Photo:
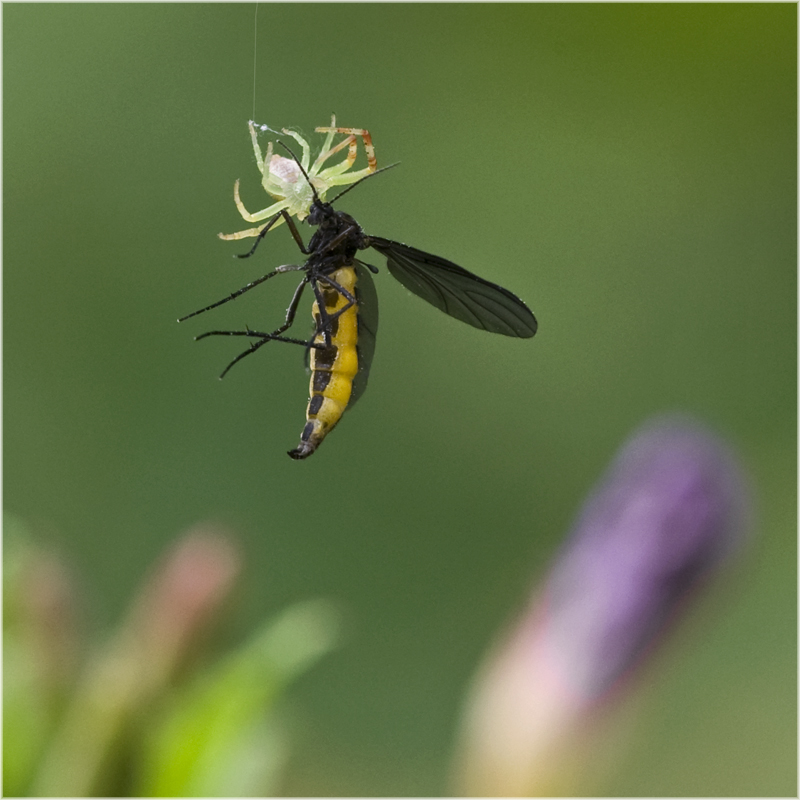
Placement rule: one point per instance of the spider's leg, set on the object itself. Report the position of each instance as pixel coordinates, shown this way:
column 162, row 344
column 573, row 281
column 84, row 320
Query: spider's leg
column 282, row 214
column 325, row 154
column 247, row 216
column 234, row 295
column 346, row 177
column 306, row 158
column 256, row 148
column 366, row 138
column 246, row 234
column 266, row 175
column 325, row 146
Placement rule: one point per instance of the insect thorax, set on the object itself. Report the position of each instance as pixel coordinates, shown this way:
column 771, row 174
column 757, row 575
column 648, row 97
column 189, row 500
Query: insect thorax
column 337, row 239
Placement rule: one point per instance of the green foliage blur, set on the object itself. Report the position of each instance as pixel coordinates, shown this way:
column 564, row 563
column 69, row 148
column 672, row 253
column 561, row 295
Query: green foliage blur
column 628, row 170
column 142, row 713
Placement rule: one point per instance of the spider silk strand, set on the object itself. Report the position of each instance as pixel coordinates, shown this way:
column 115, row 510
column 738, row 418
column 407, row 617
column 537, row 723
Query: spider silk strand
column 255, row 48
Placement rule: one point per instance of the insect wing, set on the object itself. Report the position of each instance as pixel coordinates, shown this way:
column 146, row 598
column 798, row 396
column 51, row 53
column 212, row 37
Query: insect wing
column 457, row 292
column 367, row 299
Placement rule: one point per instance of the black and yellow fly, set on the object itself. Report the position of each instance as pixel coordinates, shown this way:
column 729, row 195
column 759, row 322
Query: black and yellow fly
column 345, row 308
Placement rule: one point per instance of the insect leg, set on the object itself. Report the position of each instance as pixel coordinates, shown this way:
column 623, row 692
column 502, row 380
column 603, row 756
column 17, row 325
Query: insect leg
column 234, row 295
column 263, row 339
column 324, row 326
column 326, row 317
column 249, row 351
column 296, row 234
column 351, row 301
column 266, row 337
column 292, row 227
column 337, row 240
column 261, row 235
column 292, row 310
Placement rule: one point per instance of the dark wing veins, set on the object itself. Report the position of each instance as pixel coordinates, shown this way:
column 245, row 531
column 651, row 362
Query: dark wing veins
column 456, row 291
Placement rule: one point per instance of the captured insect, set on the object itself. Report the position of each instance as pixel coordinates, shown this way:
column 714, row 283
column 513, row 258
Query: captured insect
column 345, row 307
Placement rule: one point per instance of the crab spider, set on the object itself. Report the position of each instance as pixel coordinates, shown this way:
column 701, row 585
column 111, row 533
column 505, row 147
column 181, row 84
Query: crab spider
column 283, row 179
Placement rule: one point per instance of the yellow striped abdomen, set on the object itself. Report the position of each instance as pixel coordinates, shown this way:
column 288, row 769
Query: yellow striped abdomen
column 332, row 368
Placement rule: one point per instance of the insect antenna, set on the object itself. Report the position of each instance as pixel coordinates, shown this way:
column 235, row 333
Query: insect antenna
column 308, row 180
column 305, row 174
column 361, row 180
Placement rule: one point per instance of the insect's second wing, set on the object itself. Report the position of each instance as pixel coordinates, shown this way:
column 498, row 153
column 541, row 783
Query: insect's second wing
column 367, row 329
column 457, row 292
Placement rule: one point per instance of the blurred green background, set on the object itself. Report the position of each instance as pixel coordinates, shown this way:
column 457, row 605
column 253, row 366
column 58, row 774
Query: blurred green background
column 629, row 170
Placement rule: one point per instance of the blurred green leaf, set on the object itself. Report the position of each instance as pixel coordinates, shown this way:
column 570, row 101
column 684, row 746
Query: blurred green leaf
column 218, row 736
column 27, row 717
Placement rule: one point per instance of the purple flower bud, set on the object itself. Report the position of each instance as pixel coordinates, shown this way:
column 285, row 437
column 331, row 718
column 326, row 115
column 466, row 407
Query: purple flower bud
column 672, row 508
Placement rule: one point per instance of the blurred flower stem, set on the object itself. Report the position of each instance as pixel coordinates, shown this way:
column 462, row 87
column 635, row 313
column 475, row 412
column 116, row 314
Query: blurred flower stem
column 40, row 651
column 137, row 716
column 548, row 707
column 138, row 664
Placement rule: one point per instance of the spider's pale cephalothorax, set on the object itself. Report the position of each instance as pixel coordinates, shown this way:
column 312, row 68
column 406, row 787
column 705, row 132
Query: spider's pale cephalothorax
column 283, row 179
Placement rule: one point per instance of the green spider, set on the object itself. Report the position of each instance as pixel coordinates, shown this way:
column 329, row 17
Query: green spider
column 283, row 179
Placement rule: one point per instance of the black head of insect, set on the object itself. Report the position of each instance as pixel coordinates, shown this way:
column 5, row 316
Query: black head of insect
column 321, row 214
